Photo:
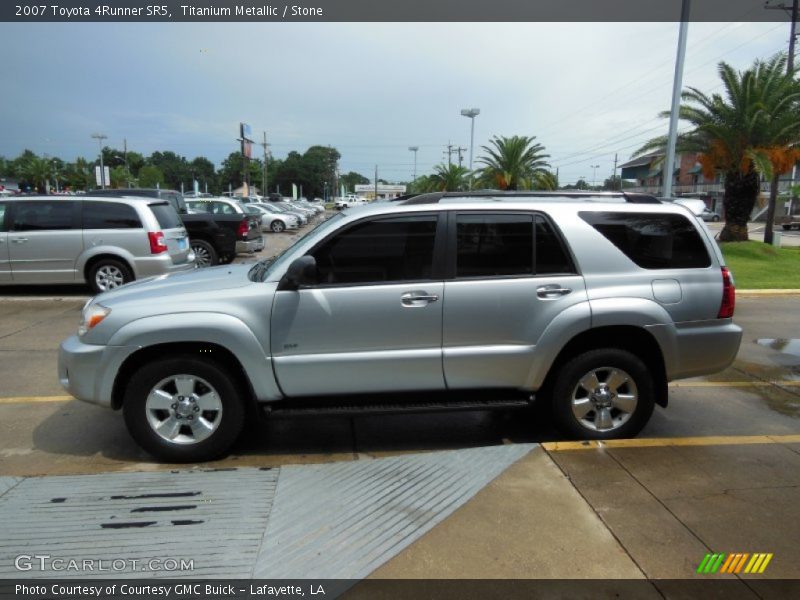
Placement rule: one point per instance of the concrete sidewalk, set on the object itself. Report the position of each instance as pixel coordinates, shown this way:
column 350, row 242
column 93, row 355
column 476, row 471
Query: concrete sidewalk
column 630, row 509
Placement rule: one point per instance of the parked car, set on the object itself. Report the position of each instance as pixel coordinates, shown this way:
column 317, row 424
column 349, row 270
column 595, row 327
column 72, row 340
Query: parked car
column 588, row 303
column 231, row 214
column 105, row 242
column 708, row 215
column 282, row 208
column 273, row 221
column 213, row 241
column 348, row 201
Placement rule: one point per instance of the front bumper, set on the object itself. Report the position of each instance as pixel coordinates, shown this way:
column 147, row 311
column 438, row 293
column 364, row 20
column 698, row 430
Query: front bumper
column 87, row 371
column 250, row 246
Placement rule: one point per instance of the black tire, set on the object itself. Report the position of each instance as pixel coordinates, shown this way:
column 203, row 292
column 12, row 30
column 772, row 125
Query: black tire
column 107, row 274
column 277, row 226
column 786, row 227
column 205, row 253
column 602, row 362
column 228, row 422
column 715, row 219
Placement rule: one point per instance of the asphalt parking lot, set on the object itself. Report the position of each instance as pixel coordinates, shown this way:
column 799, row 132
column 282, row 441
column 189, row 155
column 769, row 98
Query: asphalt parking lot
column 727, row 450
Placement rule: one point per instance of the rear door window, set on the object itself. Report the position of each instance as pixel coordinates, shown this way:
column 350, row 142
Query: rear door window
column 109, row 215
column 652, row 241
column 166, row 216
column 508, row 245
column 45, row 215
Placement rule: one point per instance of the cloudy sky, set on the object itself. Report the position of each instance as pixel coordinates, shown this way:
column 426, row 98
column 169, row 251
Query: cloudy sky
column 586, row 90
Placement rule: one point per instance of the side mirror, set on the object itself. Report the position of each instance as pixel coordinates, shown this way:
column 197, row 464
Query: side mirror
column 302, row 272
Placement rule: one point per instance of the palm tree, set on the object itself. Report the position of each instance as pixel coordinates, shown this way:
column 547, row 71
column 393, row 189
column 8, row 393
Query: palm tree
column 753, row 129
column 450, row 178
column 544, row 180
column 37, row 171
column 511, row 163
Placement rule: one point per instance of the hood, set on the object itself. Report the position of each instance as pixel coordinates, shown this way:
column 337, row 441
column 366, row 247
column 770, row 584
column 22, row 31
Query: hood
column 197, row 281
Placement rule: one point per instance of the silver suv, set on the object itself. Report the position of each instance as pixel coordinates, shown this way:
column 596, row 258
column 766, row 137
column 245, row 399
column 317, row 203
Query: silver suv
column 585, row 304
column 104, row 242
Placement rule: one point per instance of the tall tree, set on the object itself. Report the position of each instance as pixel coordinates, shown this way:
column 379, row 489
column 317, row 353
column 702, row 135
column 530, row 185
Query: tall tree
column 351, row 179
column 750, row 131
column 510, row 163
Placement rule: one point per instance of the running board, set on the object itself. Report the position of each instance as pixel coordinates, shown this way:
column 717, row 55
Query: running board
column 374, row 406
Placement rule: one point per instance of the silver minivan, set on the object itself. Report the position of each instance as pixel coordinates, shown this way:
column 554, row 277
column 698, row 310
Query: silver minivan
column 105, row 242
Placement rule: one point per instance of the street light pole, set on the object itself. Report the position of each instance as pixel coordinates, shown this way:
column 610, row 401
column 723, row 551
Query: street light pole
column 414, row 149
column 471, row 113
column 594, row 174
column 669, row 162
column 100, row 137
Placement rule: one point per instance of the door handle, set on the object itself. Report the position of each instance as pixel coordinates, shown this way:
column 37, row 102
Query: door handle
column 552, row 291
column 19, row 240
column 418, row 298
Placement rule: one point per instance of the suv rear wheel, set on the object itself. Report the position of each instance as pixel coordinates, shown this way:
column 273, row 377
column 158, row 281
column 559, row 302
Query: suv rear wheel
column 108, row 274
column 183, row 409
column 603, row 394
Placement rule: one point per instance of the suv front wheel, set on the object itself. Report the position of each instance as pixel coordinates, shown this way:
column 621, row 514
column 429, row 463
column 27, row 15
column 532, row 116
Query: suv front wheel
column 603, row 394
column 183, row 409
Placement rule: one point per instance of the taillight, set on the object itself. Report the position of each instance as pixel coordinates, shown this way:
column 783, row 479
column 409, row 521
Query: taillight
column 158, row 242
column 244, row 227
column 728, row 295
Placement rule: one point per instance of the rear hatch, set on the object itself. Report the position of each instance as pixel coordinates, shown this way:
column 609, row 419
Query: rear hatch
column 175, row 235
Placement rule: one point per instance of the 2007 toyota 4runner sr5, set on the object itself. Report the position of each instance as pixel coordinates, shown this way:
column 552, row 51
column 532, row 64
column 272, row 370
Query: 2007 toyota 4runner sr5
column 586, row 304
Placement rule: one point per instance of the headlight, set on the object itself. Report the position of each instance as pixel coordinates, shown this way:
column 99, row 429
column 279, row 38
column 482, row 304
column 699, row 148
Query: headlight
column 92, row 316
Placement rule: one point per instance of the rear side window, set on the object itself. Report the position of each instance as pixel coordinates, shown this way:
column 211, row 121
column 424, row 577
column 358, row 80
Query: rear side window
column 109, row 215
column 166, row 216
column 503, row 245
column 494, row 245
column 44, row 215
column 380, row 251
column 652, row 241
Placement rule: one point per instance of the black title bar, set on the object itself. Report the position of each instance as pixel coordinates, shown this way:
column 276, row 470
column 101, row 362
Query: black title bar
column 386, row 11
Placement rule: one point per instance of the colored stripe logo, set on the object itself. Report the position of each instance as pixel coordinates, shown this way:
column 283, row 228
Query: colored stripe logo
column 734, row 563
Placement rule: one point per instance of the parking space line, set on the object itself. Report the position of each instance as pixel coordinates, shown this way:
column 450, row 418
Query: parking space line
column 35, row 399
column 711, row 440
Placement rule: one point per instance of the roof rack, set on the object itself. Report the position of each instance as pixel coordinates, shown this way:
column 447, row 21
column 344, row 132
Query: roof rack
column 500, row 195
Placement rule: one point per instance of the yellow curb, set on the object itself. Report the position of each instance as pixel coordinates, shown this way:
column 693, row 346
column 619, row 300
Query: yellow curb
column 35, row 399
column 771, row 292
column 714, row 440
column 732, row 384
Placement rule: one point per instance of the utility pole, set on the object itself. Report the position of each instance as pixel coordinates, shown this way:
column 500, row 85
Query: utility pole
column 460, row 151
column 450, row 151
column 669, row 163
column 376, row 182
column 614, row 176
column 793, row 14
column 264, row 145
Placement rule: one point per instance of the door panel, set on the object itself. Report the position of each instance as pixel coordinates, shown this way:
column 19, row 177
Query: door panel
column 374, row 321
column 358, row 339
column 44, row 241
column 491, row 327
column 513, row 276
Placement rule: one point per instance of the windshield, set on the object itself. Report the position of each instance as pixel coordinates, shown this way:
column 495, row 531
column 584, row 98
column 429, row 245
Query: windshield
column 263, row 269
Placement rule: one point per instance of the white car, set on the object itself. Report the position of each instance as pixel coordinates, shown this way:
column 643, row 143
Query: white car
column 273, row 221
column 281, row 209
